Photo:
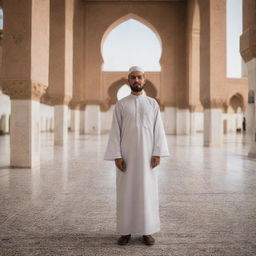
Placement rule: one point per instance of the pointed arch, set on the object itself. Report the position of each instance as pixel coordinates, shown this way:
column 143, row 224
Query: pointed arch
column 150, row 90
column 123, row 19
column 236, row 101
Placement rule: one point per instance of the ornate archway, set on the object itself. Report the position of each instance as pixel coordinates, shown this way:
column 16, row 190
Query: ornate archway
column 149, row 88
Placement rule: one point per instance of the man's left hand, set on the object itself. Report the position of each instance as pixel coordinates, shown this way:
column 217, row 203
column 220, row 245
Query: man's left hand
column 155, row 161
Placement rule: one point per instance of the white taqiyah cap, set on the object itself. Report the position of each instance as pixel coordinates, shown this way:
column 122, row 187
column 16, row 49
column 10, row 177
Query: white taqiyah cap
column 135, row 68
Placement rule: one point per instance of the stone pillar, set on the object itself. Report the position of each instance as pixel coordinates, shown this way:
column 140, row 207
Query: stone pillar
column 170, row 120
column 213, row 86
column 92, row 119
column 75, row 120
column 192, row 122
column 213, row 128
column 239, row 119
column 61, row 65
column 231, row 120
column 182, row 122
column 196, row 118
column 193, row 63
column 76, row 103
column 25, row 146
column 248, row 52
column 251, row 120
column 25, row 75
column 60, row 125
column 82, row 121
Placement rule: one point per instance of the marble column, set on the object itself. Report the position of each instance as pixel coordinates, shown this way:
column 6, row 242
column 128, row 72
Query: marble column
column 60, row 125
column 61, row 65
column 192, row 122
column 77, row 102
column 251, row 114
column 213, row 86
column 75, row 120
column 182, row 122
column 170, row 120
column 82, row 121
column 24, row 75
column 231, row 120
column 25, row 133
column 248, row 52
column 213, row 127
column 92, row 119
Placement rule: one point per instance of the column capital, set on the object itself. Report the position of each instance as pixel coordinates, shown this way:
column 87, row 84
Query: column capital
column 248, row 44
column 23, row 89
column 196, row 108
column 92, row 102
column 213, row 103
column 75, row 104
column 54, row 99
column 60, row 99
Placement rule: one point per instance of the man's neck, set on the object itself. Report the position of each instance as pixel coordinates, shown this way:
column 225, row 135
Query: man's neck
column 137, row 93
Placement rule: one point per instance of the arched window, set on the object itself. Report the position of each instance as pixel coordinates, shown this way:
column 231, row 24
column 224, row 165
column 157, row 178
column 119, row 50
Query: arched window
column 131, row 43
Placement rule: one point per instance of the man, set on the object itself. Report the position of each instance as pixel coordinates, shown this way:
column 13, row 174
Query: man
column 136, row 143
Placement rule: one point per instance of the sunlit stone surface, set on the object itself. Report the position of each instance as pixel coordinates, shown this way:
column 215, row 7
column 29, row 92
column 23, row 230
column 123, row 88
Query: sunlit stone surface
column 67, row 207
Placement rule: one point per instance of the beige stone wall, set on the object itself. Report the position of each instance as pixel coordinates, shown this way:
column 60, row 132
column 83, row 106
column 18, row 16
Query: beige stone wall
column 166, row 18
column 80, row 28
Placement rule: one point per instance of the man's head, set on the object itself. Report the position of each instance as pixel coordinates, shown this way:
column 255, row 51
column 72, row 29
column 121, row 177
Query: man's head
column 136, row 78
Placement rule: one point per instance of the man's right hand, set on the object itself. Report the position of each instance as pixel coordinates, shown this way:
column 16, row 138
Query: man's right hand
column 120, row 164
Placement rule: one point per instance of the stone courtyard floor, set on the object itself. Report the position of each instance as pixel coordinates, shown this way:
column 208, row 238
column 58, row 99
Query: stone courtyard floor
column 67, row 206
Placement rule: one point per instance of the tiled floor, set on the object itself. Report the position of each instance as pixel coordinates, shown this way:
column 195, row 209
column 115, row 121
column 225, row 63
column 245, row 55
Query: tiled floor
column 67, row 207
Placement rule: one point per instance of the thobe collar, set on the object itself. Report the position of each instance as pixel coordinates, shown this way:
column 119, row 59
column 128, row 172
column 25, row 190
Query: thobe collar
column 138, row 96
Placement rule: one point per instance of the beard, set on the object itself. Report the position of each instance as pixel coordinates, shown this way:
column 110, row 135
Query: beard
column 136, row 88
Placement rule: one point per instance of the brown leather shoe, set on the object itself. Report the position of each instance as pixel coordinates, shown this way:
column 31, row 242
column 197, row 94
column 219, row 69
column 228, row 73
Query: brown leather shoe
column 123, row 240
column 148, row 240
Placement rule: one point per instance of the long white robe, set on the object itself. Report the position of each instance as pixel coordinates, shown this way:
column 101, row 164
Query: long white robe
column 136, row 135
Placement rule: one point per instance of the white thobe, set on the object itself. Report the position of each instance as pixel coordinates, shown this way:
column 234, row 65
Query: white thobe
column 136, row 135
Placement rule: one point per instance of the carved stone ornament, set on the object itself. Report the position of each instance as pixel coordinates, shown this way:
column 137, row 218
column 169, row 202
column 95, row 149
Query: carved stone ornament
column 213, row 103
column 196, row 108
column 74, row 104
column 60, row 99
column 23, row 89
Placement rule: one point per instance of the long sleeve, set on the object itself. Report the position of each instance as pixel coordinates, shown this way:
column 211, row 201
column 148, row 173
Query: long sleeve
column 113, row 149
column 160, row 144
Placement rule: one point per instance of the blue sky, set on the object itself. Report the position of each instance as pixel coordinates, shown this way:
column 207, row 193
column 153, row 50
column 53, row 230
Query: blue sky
column 133, row 40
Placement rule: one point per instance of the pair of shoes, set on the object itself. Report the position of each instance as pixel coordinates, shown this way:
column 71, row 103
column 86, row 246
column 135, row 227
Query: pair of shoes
column 148, row 240
column 123, row 240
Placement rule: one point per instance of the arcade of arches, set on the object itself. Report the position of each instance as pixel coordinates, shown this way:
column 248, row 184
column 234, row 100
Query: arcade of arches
column 52, row 78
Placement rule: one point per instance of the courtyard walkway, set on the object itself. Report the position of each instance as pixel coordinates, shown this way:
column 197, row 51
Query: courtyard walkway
column 67, row 206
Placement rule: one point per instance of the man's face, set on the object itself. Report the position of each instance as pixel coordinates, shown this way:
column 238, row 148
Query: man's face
column 136, row 81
